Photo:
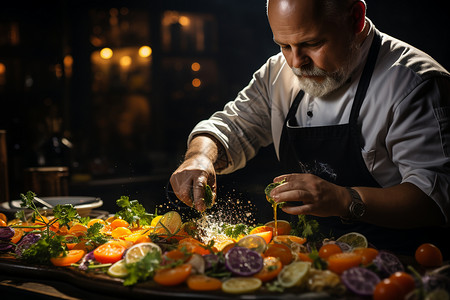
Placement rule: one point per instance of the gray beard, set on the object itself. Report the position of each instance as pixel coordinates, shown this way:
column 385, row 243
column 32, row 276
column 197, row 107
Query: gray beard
column 332, row 81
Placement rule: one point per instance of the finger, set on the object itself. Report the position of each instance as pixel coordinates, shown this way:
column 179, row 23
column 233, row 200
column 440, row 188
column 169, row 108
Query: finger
column 305, row 209
column 283, row 194
column 198, row 190
column 281, row 178
column 181, row 189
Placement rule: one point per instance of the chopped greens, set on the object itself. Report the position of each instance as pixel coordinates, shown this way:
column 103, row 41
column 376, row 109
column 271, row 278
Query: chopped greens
column 235, row 230
column 133, row 212
column 142, row 269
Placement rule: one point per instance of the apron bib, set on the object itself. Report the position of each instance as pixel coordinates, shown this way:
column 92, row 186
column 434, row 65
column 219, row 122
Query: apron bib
column 334, row 154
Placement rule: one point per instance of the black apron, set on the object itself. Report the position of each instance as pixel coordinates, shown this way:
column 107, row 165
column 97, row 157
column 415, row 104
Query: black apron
column 334, row 154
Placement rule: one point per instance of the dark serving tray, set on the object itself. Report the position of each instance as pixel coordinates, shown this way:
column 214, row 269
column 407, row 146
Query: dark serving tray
column 104, row 285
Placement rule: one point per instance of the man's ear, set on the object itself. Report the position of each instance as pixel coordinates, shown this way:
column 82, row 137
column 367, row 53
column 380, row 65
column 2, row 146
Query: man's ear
column 358, row 15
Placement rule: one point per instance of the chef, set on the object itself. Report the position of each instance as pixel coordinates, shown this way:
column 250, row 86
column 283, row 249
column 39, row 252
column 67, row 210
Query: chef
column 360, row 122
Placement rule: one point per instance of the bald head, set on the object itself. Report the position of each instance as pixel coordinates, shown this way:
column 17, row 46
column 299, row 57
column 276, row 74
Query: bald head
column 321, row 8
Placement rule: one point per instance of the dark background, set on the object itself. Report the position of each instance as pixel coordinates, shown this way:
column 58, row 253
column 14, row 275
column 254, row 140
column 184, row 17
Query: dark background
column 238, row 42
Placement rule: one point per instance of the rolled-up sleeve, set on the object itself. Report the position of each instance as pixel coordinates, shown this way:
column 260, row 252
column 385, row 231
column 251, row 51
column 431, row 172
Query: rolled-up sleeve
column 244, row 125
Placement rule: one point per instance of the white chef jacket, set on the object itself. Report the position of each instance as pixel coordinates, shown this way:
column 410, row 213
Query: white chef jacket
column 404, row 119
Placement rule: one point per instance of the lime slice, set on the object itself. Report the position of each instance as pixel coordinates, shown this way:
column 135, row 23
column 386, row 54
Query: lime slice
column 354, row 240
column 241, row 285
column 138, row 251
column 170, row 221
column 269, row 189
column 118, row 269
column 253, row 242
column 294, row 274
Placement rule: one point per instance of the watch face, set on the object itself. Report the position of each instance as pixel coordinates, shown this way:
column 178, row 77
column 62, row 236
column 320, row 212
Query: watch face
column 357, row 209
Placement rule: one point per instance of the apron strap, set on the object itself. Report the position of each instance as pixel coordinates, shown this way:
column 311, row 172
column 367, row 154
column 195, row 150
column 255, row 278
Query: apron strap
column 293, row 109
column 366, row 75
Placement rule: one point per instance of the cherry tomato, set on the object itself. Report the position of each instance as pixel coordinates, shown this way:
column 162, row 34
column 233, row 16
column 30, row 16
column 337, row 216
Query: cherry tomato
column 272, row 266
column 428, row 255
column 193, row 246
column 304, row 257
column 367, row 254
column 203, row 283
column 173, row 276
column 119, row 223
column 109, row 252
column 329, row 249
column 281, row 251
column 72, row 257
column 18, row 234
column 340, row 262
column 175, row 255
column 387, row 289
column 405, row 281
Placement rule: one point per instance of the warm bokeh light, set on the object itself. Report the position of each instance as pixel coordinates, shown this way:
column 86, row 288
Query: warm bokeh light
column 196, row 82
column 184, row 21
column 68, row 61
column 106, row 53
column 195, row 67
column 2, row 68
column 125, row 61
column 145, row 51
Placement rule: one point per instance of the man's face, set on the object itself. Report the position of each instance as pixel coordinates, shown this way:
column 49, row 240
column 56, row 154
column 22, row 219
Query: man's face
column 320, row 50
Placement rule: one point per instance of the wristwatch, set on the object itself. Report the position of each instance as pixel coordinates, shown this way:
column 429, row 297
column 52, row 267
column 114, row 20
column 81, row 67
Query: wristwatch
column 356, row 209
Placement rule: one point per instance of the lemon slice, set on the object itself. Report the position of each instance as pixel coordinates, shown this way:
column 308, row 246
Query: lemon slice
column 294, row 274
column 241, row 285
column 171, row 221
column 354, row 240
column 138, row 251
column 118, row 269
column 253, row 242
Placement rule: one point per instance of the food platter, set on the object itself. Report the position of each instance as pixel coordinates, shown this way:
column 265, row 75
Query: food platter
column 138, row 254
column 105, row 285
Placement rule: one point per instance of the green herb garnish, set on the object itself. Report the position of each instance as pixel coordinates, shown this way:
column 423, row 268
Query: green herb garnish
column 133, row 212
column 142, row 269
column 50, row 244
column 209, row 197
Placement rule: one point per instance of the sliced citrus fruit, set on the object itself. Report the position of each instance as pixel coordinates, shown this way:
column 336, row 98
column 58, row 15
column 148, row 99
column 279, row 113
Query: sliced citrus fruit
column 294, row 274
column 138, row 251
column 354, row 240
column 120, row 232
column 241, row 285
column 155, row 221
column 253, row 242
column 170, row 221
column 283, row 227
column 293, row 242
column 118, row 269
column 266, row 232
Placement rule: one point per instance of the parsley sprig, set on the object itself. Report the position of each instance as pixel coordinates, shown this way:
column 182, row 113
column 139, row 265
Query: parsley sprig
column 133, row 212
column 50, row 244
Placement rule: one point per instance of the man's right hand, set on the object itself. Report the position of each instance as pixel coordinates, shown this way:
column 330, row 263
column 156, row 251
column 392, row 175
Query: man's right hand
column 190, row 179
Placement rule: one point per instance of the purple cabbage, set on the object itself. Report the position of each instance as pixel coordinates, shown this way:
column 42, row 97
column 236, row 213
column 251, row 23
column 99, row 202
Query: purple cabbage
column 6, row 233
column 26, row 243
column 84, row 264
column 6, row 246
